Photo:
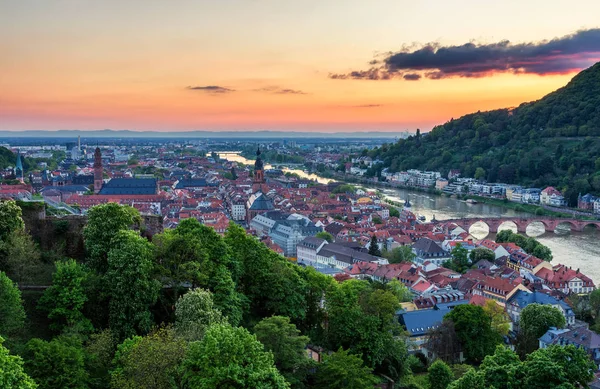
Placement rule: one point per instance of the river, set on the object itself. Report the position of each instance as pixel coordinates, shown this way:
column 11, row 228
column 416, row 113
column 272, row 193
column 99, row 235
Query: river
column 580, row 250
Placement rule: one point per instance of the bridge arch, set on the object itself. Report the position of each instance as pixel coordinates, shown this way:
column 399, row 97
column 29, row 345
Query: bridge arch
column 591, row 223
column 562, row 223
column 479, row 228
column 537, row 228
column 508, row 225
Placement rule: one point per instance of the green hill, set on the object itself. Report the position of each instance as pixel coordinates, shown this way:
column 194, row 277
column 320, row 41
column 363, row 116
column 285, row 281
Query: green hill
column 553, row 141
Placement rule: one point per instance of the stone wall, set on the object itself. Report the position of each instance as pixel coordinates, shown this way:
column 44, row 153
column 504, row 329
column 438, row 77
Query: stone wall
column 64, row 234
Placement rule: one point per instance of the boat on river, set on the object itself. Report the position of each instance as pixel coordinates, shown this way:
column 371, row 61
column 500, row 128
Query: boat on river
column 471, row 201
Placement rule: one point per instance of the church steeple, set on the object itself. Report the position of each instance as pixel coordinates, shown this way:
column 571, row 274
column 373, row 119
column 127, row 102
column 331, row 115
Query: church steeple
column 19, row 167
column 259, row 173
column 97, row 170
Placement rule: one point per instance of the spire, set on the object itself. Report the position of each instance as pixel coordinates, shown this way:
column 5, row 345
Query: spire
column 19, row 167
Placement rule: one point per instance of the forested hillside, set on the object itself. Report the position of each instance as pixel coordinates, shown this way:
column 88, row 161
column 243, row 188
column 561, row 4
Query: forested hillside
column 553, row 141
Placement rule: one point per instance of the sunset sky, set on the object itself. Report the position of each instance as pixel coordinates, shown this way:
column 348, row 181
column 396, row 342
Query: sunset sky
column 310, row 65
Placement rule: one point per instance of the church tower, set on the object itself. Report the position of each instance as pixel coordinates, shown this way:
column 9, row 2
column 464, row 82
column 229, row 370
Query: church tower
column 259, row 174
column 19, row 167
column 97, row 170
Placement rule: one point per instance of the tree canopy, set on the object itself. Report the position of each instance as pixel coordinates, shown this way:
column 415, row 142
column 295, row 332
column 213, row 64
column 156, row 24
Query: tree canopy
column 229, row 357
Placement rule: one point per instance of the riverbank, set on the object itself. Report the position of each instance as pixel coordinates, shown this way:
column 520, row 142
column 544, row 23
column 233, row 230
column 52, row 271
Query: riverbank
column 528, row 208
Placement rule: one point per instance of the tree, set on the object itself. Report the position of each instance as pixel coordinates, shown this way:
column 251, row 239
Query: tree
column 400, row 254
column 195, row 254
column 105, row 221
column 460, row 260
column 534, row 321
column 502, row 370
column 10, row 219
column 20, row 257
column 281, row 337
column 374, row 247
column 229, row 357
column 443, row 341
column 195, row 312
column 470, row 380
column 58, row 364
column 130, row 285
column 271, row 284
column 394, row 212
column 376, row 220
column 12, row 313
column 150, row 362
column 479, row 173
column 480, row 253
column 440, row 375
column 325, row 235
column 342, row 370
column 12, row 375
column 100, row 350
column 361, row 318
column 575, row 363
column 500, row 320
column 474, row 331
column 65, row 298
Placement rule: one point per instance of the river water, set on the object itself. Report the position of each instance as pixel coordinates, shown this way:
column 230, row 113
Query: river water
column 580, row 250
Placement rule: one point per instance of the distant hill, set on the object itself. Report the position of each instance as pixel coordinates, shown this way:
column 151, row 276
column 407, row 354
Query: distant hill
column 553, row 141
column 238, row 135
column 7, row 158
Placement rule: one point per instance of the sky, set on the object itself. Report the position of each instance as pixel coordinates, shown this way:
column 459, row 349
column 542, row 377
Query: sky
column 310, row 65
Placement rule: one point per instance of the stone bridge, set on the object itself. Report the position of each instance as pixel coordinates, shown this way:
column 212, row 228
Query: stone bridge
column 522, row 223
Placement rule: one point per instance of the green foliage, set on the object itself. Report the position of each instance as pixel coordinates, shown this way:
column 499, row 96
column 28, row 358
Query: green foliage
column 344, row 188
column 195, row 254
column 470, row 380
column 282, row 338
column 534, row 144
column 534, row 321
column 150, row 362
column 12, row 375
column 400, row 254
column 500, row 319
column 530, row 245
column 20, row 257
column 361, row 319
column 271, row 284
column 460, row 260
column 559, row 367
column 343, row 370
column 12, row 314
column 104, row 223
column 440, row 375
column 65, row 298
column 100, row 350
column 58, row 364
column 374, row 247
column 325, row 235
column 394, row 212
column 474, row 331
column 10, row 218
column 229, row 357
column 480, row 253
column 194, row 313
column 377, row 220
column 130, row 285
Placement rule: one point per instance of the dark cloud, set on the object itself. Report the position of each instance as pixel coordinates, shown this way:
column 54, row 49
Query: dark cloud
column 280, row 91
column 434, row 61
column 211, row 89
column 412, row 76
